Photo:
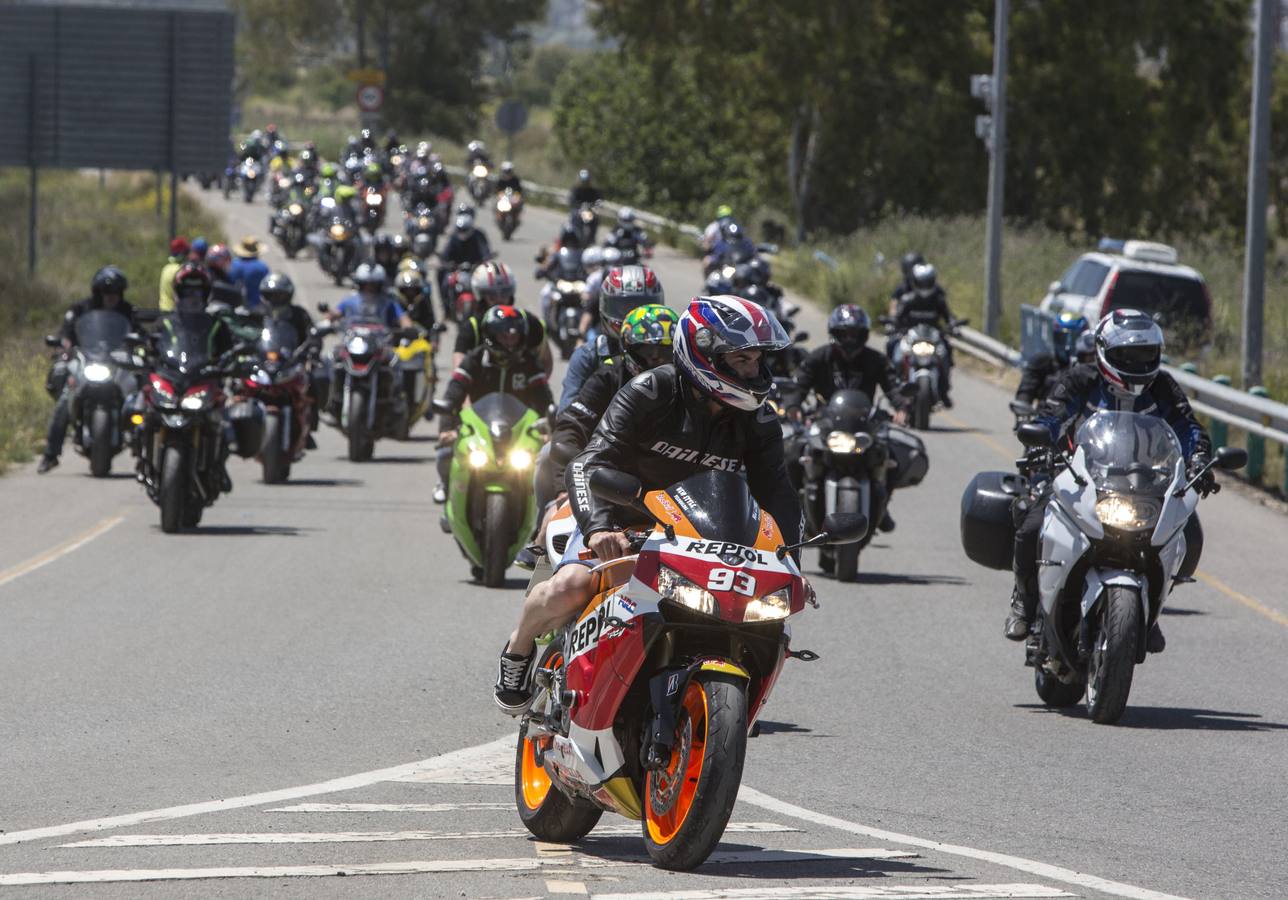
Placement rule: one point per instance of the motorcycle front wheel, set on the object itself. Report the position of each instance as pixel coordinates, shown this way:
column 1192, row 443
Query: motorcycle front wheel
column 1113, row 660
column 100, row 436
column 496, row 539
column 687, row 802
column 847, row 555
column 174, row 486
column 361, row 444
column 273, row 459
column 921, row 405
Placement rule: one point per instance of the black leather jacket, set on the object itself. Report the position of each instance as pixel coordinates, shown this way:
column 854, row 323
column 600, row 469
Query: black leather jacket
column 825, row 371
column 915, row 309
column 577, row 421
column 480, row 374
column 656, row 429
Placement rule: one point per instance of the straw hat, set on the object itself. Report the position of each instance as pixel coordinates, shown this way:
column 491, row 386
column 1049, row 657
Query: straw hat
column 248, row 248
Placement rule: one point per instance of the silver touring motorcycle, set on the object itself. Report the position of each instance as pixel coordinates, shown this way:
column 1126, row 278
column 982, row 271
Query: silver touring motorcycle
column 1119, row 533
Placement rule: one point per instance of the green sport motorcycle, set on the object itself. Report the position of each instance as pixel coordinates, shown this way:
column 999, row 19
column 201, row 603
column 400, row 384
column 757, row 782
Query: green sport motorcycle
column 491, row 507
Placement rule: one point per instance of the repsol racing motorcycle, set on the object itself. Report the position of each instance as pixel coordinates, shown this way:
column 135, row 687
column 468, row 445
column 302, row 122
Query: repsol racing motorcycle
column 182, row 446
column 852, row 459
column 99, row 379
column 1119, row 532
column 644, row 703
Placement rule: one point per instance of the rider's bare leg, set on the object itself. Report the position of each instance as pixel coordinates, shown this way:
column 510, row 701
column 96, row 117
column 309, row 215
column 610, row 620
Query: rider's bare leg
column 550, row 605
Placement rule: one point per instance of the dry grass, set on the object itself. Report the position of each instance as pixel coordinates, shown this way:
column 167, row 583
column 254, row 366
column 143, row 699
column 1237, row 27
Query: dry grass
column 82, row 227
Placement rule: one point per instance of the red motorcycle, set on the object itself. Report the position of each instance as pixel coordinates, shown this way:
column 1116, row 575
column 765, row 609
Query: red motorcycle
column 643, row 704
column 459, row 293
column 280, row 383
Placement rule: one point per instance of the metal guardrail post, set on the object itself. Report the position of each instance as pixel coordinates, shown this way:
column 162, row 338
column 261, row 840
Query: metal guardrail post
column 1256, row 445
column 1219, row 430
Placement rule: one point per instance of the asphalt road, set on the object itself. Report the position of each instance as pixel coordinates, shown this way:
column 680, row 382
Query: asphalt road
column 327, row 629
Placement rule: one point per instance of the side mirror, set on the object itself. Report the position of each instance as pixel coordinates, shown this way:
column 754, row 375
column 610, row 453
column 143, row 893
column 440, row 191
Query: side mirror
column 800, row 337
column 51, row 340
column 616, row 487
column 1055, row 287
column 439, row 328
column 845, row 528
column 1228, row 459
column 1033, row 435
column 442, row 407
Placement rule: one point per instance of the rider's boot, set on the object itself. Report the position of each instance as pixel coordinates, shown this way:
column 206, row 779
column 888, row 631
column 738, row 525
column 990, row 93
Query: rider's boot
column 1017, row 623
column 1156, row 642
column 512, row 692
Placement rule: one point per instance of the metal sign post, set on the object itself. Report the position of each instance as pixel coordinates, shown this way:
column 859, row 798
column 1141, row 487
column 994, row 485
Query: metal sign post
column 33, row 179
column 1254, row 270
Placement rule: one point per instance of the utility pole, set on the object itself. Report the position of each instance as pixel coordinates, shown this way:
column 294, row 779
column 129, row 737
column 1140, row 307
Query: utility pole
column 360, row 15
column 993, row 131
column 1254, row 266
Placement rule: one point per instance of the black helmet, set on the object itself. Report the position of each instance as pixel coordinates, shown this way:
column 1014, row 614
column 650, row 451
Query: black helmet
column 277, row 289
column 849, row 326
column 499, row 324
column 760, row 270
column 108, row 280
column 924, row 279
column 910, row 259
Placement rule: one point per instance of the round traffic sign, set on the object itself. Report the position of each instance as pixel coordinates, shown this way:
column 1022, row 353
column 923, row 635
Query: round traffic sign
column 511, row 116
column 370, row 97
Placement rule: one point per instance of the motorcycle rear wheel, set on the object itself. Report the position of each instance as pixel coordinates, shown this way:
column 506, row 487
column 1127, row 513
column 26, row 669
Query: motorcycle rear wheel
column 173, row 495
column 100, row 436
column 544, row 809
column 1054, row 692
column 1113, row 660
column 687, row 804
column 496, row 540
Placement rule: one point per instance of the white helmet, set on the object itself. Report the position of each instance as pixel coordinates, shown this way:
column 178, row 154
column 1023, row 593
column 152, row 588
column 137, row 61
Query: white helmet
column 494, row 281
column 626, row 215
column 924, row 279
column 592, row 257
column 1129, row 350
column 367, row 273
column 714, row 326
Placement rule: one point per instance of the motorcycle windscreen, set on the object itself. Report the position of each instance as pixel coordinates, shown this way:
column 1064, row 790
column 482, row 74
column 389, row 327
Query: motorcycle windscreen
column 100, row 331
column 848, row 410
column 499, row 409
column 184, row 341
column 1129, row 453
column 719, row 506
column 370, row 312
column 277, row 336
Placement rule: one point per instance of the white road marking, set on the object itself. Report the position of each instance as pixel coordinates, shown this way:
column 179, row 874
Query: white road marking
column 1033, row 867
column 566, row 887
column 55, row 553
column 855, row 892
column 447, row 761
column 563, row 862
column 489, row 764
column 420, row 867
column 391, row 807
column 361, row 837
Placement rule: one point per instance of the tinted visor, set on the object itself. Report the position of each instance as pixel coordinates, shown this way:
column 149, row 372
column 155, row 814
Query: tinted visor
column 1142, row 359
column 651, row 355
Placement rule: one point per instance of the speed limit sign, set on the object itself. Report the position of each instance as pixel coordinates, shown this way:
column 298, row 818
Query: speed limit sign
column 370, row 97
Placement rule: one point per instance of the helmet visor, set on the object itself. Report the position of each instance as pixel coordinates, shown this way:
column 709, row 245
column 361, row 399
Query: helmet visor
column 1138, row 360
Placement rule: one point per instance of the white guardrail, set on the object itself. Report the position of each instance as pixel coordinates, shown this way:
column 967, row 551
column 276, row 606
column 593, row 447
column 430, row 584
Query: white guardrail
column 1256, row 415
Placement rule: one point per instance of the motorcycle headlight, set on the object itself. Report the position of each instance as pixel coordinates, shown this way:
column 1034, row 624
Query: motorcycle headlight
column 358, row 346
column 842, row 442
column 375, row 199
column 564, row 286
column 339, row 232
column 423, row 222
column 520, row 458
column 1126, row 513
column 587, row 215
column 923, row 348
column 97, row 373
column 777, row 605
column 195, row 400
column 480, row 172
column 671, row 584
column 478, row 458
column 296, row 209
column 503, row 205
column 578, row 287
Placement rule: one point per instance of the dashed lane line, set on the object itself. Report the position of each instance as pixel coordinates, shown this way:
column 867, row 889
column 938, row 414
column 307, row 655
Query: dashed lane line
column 13, row 573
column 567, row 863
column 371, row 837
column 392, row 807
column 1032, row 867
column 856, row 892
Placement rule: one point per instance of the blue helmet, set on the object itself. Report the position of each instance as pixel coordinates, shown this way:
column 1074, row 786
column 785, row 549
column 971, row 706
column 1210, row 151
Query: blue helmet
column 1068, row 326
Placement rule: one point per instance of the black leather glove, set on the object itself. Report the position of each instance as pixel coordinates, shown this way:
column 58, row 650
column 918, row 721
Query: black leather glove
column 1207, row 483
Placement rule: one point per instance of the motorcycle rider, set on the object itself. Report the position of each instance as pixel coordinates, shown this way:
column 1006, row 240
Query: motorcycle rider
column 476, row 154
column 248, row 269
column 106, row 291
column 623, row 289
column 925, row 304
column 179, row 248
column 223, row 290
column 1041, row 371
column 704, row 411
column 417, row 299
column 711, row 234
column 504, row 362
column 1127, row 377
column 907, row 262
column 493, row 285
column 583, row 191
column 372, row 300
column 628, row 233
column 278, row 293
column 847, row 362
column 733, row 246
column 466, row 244
column 509, row 179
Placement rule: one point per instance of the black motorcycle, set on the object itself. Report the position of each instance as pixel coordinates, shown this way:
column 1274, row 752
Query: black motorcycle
column 338, row 247
column 182, row 447
column 562, row 301
column 369, row 398
column 290, row 225
column 423, row 225
column 99, row 381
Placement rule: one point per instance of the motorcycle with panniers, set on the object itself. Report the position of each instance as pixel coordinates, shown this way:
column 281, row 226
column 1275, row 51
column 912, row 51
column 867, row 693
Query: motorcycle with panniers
column 643, row 705
column 1120, row 531
column 490, row 507
column 181, row 442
